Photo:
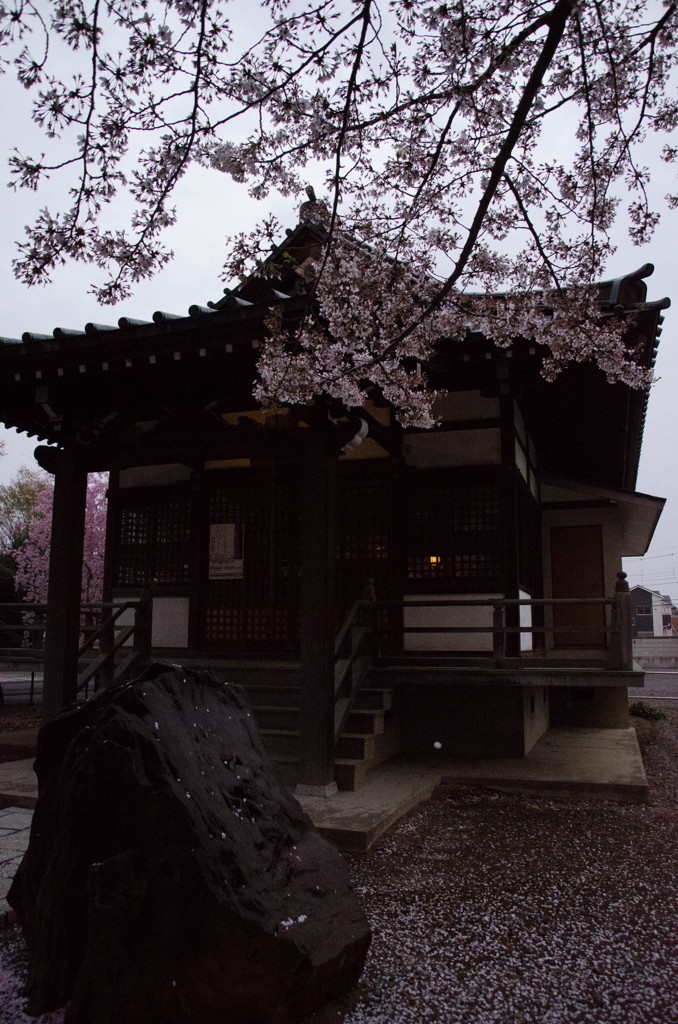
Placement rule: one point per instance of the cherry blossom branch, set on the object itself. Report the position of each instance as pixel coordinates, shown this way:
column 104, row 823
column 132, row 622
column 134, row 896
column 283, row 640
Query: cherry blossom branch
column 558, row 21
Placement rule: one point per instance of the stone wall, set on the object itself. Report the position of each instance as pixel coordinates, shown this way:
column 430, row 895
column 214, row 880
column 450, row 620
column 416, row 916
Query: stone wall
column 656, row 652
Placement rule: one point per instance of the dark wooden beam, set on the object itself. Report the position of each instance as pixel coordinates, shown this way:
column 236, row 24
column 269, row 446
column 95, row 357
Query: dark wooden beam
column 64, row 586
column 509, row 515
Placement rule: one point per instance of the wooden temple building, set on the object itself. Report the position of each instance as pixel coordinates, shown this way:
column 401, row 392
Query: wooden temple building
column 483, row 555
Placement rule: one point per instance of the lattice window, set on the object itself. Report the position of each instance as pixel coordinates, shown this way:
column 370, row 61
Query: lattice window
column 246, row 625
column 475, row 508
column 364, row 534
column 454, row 530
column 153, row 542
column 477, row 565
column 261, row 608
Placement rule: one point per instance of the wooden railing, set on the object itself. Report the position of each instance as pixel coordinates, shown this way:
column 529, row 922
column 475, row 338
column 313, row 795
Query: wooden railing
column 360, row 638
column 354, row 650
column 109, row 647
column 110, row 638
column 614, row 627
column 617, row 641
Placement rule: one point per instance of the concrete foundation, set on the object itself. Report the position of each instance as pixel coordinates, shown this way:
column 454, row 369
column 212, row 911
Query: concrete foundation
column 472, row 721
column 593, row 707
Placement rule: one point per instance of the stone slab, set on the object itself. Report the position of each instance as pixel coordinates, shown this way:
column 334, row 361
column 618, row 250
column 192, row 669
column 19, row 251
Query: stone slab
column 18, row 785
column 15, row 825
column 603, row 764
column 355, row 820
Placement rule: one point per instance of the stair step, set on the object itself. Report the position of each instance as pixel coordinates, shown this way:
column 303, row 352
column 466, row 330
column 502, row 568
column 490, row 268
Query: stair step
column 281, row 742
column 350, row 774
column 365, row 721
column 356, row 746
column 374, row 699
column 269, row 695
column 360, row 720
column 288, row 768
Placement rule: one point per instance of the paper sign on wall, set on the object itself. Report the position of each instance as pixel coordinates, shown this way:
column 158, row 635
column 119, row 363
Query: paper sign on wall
column 226, row 551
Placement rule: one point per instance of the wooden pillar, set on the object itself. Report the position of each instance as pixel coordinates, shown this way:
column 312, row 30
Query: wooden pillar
column 509, row 514
column 622, row 618
column 64, row 586
column 317, row 541
column 197, row 571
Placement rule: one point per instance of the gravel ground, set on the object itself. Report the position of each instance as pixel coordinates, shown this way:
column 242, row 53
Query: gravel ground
column 500, row 909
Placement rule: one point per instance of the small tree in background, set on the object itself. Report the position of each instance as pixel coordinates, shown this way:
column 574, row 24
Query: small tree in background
column 32, row 557
column 18, row 501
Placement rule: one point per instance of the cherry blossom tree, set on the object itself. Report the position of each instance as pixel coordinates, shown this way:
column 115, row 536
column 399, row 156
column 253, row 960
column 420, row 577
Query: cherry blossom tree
column 32, row 558
column 475, row 157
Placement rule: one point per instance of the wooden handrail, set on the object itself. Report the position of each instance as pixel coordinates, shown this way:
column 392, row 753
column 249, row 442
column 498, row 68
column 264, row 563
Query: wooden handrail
column 104, row 663
column 101, row 629
column 109, row 633
column 618, row 631
column 352, row 665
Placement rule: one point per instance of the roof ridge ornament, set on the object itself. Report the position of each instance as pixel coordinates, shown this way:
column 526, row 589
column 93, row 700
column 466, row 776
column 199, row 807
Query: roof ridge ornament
column 315, row 211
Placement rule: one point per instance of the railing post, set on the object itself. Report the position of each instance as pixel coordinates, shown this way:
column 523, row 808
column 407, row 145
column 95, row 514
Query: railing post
column 316, row 774
column 623, row 622
column 498, row 634
column 369, row 596
column 143, row 615
column 107, row 671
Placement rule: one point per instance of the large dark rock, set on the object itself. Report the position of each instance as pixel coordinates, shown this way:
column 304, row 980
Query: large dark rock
column 170, row 877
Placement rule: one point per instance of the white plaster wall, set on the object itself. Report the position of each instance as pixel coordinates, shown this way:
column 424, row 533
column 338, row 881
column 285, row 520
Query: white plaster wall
column 536, row 715
column 465, row 405
column 170, row 622
column 521, row 460
column 469, row 615
column 154, row 476
column 525, row 620
column 453, row 448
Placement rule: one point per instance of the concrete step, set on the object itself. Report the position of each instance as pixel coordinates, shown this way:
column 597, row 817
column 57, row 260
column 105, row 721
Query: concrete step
column 356, row 746
column 350, row 775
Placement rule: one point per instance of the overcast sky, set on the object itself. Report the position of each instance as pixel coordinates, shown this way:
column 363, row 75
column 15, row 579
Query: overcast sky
column 211, row 207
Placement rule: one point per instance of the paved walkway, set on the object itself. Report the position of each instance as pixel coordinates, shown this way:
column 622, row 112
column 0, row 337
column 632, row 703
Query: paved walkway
column 602, row 764
column 15, row 823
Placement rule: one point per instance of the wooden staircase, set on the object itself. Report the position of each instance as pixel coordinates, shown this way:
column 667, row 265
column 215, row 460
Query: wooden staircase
column 370, row 736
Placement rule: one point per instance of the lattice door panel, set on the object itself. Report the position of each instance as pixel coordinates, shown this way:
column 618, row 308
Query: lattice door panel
column 366, row 537
column 153, row 541
column 260, row 609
